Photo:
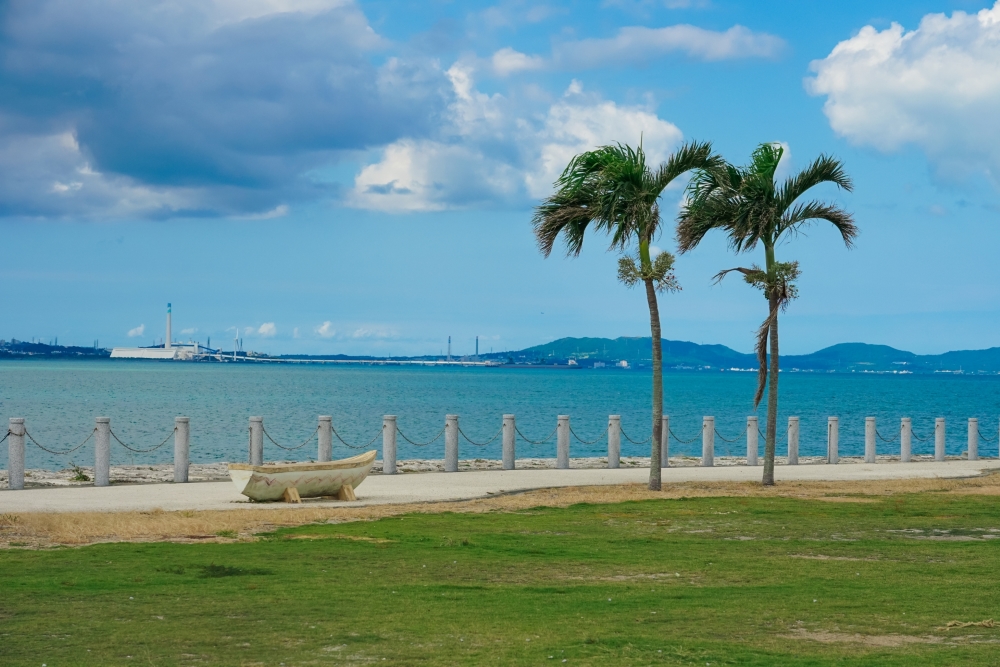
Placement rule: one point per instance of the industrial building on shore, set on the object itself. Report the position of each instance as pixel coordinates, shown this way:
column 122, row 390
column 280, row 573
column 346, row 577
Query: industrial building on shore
column 169, row 349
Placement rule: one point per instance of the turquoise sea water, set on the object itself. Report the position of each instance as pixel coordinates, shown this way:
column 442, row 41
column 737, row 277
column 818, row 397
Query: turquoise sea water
column 59, row 400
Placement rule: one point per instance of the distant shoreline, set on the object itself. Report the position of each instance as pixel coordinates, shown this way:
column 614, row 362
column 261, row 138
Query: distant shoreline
column 623, row 353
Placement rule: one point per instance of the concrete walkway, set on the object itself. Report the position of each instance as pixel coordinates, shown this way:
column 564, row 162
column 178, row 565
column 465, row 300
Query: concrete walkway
column 432, row 487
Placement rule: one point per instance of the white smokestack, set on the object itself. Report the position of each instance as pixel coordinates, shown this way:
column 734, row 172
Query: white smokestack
column 166, row 343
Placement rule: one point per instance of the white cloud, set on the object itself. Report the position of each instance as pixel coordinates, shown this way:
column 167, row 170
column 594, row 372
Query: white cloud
column 638, row 44
column 295, row 333
column 490, row 152
column 326, row 330
column 210, row 107
column 279, row 211
column 374, row 332
column 50, row 175
column 138, row 331
column 267, row 329
column 188, row 332
column 576, row 124
column 937, row 87
column 507, row 61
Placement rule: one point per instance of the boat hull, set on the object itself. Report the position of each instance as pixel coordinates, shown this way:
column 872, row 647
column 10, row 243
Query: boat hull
column 312, row 480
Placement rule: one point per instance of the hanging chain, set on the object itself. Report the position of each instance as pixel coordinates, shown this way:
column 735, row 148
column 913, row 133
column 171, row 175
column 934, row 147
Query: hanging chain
column 985, row 439
column 590, row 442
column 537, row 442
column 67, row 452
column 420, row 444
column 918, row 437
column 142, row 451
column 5, row 437
column 290, row 449
column 736, row 439
column 884, row 439
column 634, row 442
column 347, row 444
column 480, row 444
column 683, row 442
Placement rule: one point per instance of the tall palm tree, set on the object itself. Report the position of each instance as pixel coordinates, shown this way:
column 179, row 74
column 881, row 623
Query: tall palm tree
column 747, row 204
column 613, row 188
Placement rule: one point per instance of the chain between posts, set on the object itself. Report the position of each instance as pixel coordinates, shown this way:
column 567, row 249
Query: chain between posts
column 985, row 439
column 289, row 449
column 420, row 444
column 643, row 442
column 142, row 451
column 736, row 439
column 684, row 442
column 480, row 444
column 536, row 442
column 913, row 433
column 50, row 451
column 347, row 444
column 590, row 442
column 5, row 437
column 884, row 439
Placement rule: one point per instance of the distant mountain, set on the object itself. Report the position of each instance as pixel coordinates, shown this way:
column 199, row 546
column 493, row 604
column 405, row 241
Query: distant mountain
column 681, row 355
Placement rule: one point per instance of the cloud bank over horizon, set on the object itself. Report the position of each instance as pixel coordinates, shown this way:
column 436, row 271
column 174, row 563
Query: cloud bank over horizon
column 195, row 109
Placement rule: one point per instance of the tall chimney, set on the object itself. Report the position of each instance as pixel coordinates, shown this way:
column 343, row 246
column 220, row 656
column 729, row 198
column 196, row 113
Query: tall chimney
column 166, row 342
column 449, row 348
column 477, row 348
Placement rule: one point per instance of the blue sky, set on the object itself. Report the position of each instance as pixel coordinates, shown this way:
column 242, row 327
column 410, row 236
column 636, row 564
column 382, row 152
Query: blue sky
column 330, row 176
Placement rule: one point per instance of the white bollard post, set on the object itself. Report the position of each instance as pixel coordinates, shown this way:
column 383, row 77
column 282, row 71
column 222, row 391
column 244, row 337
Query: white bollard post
column 869, row 440
column 752, row 442
column 389, row 445
column 509, row 442
column 665, row 442
column 793, row 441
column 562, row 441
column 973, row 439
column 15, row 454
column 614, row 441
column 708, row 441
column 832, row 440
column 451, row 443
column 905, row 440
column 182, row 449
column 324, row 451
column 939, row 439
column 102, row 452
column 256, row 441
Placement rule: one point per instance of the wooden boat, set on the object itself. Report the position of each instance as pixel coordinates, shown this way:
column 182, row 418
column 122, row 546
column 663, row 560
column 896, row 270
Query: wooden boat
column 292, row 481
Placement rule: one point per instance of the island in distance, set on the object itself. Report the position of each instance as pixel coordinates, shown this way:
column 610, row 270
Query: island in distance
column 622, row 352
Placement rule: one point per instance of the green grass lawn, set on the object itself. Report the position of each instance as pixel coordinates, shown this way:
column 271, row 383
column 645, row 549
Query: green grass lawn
column 707, row 581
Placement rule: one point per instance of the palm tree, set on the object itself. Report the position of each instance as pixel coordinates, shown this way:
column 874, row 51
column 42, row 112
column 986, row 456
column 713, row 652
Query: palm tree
column 747, row 204
column 613, row 188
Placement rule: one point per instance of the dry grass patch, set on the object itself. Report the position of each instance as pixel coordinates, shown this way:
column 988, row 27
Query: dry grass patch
column 77, row 528
column 882, row 641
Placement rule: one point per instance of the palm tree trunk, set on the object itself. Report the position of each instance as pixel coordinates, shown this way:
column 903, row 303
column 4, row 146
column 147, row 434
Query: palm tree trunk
column 772, row 396
column 654, row 327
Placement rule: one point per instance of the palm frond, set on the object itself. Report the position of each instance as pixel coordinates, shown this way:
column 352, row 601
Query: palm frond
column 801, row 214
column 761, row 351
column 711, row 197
column 824, row 169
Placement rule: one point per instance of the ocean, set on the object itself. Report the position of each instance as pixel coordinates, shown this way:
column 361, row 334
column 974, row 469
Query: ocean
column 59, row 400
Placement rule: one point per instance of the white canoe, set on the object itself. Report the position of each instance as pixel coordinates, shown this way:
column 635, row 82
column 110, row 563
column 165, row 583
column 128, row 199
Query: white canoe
column 310, row 479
